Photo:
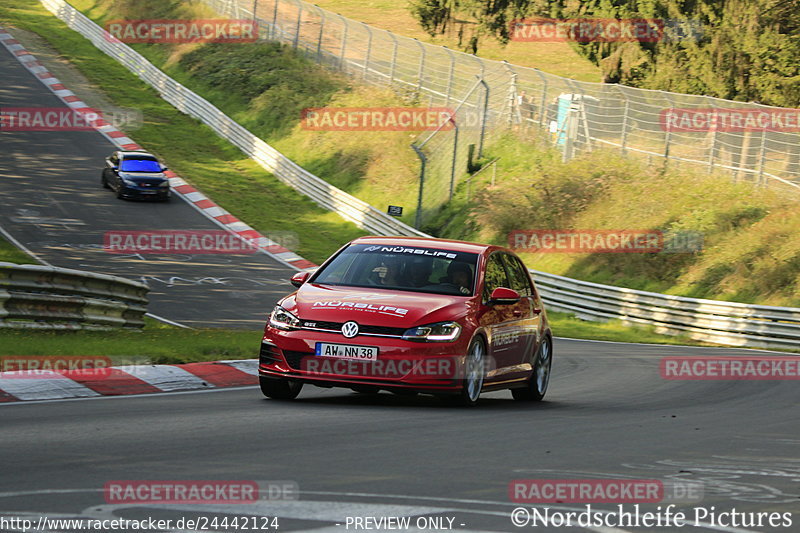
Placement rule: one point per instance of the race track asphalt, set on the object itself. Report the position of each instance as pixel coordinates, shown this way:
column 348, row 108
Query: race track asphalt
column 52, row 202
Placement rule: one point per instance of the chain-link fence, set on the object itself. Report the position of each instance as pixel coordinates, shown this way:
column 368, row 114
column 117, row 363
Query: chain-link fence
column 575, row 115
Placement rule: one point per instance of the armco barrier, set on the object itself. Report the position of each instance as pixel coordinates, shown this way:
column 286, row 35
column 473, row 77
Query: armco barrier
column 45, row 297
column 717, row 322
column 729, row 323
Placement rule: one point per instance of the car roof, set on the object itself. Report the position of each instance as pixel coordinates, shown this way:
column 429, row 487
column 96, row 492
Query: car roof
column 444, row 244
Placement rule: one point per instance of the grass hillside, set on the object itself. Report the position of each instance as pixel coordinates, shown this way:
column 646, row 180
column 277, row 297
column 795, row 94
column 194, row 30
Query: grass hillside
column 555, row 58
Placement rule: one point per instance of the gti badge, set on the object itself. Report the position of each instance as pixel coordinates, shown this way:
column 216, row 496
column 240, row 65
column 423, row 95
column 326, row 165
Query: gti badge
column 350, row 329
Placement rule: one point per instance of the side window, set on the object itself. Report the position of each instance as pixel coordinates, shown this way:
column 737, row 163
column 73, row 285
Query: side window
column 495, row 276
column 518, row 276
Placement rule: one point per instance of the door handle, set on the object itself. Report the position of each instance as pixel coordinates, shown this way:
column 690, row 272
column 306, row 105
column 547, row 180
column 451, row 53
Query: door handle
column 517, row 312
column 537, row 311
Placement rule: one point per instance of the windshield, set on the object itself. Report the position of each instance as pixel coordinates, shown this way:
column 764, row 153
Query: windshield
column 140, row 165
column 402, row 268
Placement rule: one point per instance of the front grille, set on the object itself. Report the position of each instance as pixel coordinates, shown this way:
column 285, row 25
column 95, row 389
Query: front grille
column 363, row 329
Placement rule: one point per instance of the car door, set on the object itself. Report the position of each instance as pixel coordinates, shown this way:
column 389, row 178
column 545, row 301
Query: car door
column 502, row 324
column 529, row 310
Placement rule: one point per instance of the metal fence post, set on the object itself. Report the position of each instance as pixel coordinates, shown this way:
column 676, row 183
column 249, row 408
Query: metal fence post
column 512, row 94
column 423, row 161
column 626, row 111
column 345, row 27
column 761, row 157
column 321, row 31
column 453, row 162
column 297, row 27
column 394, row 58
column 450, row 76
column 543, row 100
column 275, row 21
column 369, row 49
column 667, row 134
column 484, row 114
column 421, row 65
column 714, row 128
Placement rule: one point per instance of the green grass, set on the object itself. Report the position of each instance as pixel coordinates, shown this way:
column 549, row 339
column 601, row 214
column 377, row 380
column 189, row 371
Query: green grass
column 191, row 149
column 571, row 327
column 156, row 344
column 11, row 254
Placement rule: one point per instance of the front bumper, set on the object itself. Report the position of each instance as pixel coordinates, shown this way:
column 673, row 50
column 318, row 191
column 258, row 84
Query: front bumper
column 401, row 364
column 146, row 193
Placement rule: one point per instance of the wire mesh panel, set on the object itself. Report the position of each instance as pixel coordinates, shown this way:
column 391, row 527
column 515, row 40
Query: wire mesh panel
column 634, row 121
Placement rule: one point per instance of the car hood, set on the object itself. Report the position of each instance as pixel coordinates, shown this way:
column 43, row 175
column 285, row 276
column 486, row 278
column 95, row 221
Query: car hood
column 143, row 176
column 378, row 307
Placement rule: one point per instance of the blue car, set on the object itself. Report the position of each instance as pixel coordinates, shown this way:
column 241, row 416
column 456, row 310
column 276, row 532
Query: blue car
column 136, row 175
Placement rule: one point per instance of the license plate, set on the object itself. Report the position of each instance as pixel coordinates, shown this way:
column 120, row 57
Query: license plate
column 347, row 351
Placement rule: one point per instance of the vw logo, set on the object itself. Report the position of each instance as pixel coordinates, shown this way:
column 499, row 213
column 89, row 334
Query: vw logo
column 350, row 329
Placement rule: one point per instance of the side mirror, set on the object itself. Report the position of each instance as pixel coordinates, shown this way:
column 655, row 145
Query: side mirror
column 299, row 278
column 163, row 168
column 503, row 296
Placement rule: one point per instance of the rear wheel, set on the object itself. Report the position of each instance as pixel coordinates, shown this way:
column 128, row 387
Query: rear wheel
column 279, row 388
column 537, row 385
column 474, row 373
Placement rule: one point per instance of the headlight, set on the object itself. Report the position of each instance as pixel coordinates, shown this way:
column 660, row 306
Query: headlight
column 129, row 183
column 439, row 332
column 164, row 184
column 283, row 319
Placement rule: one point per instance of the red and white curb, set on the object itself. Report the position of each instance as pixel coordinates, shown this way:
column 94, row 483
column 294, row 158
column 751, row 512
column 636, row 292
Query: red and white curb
column 126, row 380
column 194, row 197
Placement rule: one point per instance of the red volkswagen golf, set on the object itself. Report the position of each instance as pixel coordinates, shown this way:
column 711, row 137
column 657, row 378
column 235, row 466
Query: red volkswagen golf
column 411, row 315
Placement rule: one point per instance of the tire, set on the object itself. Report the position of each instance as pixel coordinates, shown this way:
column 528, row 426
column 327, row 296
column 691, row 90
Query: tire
column 104, row 181
column 279, row 388
column 474, row 373
column 536, row 387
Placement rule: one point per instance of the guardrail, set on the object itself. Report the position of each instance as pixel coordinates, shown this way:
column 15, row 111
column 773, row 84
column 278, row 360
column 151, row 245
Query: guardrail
column 727, row 323
column 326, row 195
column 45, row 297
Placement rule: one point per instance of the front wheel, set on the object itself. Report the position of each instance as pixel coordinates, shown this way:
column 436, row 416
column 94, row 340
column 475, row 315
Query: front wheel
column 279, row 388
column 536, row 387
column 474, row 373
column 104, row 181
